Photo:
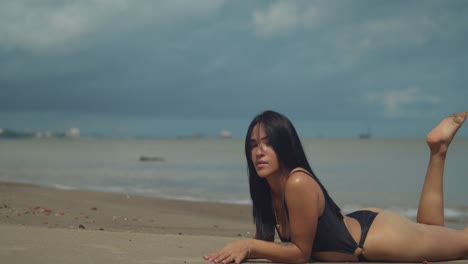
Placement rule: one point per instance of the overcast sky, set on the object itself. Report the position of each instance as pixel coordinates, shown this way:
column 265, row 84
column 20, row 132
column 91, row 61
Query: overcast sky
column 339, row 61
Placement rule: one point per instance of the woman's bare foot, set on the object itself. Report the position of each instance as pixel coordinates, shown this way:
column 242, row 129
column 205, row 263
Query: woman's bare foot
column 440, row 137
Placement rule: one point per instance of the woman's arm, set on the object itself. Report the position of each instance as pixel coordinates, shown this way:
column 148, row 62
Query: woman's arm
column 304, row 207
column 305, row 202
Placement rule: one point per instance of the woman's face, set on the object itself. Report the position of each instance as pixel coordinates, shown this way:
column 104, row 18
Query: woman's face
column 262, row 154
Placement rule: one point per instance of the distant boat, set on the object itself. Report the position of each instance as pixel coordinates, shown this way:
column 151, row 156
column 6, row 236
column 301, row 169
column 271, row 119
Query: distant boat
column 365, row 135
column 225, row 134
column 73, row 132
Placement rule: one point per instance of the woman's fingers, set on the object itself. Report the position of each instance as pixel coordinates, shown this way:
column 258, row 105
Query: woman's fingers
column 240, row 258
column 212, row 256
column 227, row 259
column 222, row 258
column 217, row 257
column 233, row 252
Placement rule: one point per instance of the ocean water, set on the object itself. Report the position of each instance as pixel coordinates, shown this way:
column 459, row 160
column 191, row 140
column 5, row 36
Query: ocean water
column 385, row 173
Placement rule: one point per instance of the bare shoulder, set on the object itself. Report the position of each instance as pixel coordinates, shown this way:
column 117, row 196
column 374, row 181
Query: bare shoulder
column 299, row 181
column 302, row 191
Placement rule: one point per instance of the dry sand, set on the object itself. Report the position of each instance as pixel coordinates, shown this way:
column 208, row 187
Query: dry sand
column 44, row 225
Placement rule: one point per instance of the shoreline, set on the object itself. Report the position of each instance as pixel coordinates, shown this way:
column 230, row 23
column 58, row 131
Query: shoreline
column 139, row 193
column 456, row 216
column 33, row 205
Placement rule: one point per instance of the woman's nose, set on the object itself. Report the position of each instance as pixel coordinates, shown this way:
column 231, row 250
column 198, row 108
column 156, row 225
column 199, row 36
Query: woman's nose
column 260, row 149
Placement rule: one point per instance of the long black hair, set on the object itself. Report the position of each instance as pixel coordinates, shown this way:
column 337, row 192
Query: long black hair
column 283, row 138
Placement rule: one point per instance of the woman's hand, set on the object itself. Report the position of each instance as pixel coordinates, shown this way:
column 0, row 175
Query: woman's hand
column 236, row 252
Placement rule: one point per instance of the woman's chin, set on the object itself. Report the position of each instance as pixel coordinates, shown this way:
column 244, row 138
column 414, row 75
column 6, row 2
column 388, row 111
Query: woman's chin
column 263, row 174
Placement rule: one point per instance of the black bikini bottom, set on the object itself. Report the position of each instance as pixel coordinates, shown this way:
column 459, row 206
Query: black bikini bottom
column 365, row 219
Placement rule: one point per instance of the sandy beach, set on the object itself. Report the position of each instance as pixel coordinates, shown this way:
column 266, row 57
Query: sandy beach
column 45, row 225
column 42, row 225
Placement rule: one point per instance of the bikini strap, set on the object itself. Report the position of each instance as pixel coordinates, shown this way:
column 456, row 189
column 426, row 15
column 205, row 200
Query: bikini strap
column 300, row 170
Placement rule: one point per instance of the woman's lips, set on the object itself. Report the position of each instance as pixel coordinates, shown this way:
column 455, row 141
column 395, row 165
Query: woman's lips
column 261, row 164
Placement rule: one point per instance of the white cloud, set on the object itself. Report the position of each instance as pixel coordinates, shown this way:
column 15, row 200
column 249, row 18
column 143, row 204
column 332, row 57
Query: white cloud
column 405, row 29
column 355, row 36
column 284, row 17
column 36, row 26
column 190, row 7
column 398, row 103
column 395, row 30
column 280, row 18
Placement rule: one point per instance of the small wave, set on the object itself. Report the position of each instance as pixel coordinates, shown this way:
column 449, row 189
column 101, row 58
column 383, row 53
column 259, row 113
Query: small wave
column 111, row 189
column 204, row 199
column 449, row 213
column 61, row 187
column 162, row 194
column 453, row 215
column 32, row 182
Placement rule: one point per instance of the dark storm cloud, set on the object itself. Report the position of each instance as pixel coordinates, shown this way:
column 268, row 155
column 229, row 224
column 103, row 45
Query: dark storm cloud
column 322, row 59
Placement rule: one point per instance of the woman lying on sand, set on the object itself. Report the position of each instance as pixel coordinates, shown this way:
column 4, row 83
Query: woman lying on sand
column 288, row 197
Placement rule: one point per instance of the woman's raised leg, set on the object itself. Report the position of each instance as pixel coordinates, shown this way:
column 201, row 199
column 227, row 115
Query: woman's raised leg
column 406, row 241
column 431, row 203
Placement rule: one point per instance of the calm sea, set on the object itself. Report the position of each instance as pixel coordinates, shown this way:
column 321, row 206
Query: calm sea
column 385, row 173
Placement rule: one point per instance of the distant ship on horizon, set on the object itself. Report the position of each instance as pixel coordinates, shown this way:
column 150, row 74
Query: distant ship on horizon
column 225, row 134
column 365, row 135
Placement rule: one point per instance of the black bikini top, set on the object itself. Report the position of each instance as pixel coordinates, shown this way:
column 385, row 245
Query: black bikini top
column 332, row 234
